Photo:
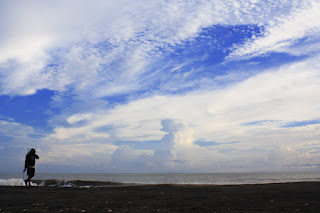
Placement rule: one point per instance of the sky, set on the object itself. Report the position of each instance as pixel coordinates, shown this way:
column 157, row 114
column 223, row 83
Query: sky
column 160, row 86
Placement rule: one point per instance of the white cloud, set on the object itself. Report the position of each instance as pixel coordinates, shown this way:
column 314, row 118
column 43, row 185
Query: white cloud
column 283, row 32
column 78, row 133
column 178, row 151
column 127, row 159
column 14, row 129
column 78, row 118
column 179, row 154
column 72, row 156
column 277, row 96
column 38, row 33
column 284, row 94
column 103, row 48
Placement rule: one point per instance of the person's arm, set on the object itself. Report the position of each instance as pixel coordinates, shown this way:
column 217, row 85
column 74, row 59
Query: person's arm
column 37, row 157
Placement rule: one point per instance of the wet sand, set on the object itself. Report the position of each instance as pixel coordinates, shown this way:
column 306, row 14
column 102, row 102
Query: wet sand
column 284, row 197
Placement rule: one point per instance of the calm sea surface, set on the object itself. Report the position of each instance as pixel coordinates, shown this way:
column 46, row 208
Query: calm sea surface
column 198, row 178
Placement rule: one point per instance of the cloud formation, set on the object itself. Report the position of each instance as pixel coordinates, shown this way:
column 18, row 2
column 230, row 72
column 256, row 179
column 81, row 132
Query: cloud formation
column 102, row 48
column 175, row 72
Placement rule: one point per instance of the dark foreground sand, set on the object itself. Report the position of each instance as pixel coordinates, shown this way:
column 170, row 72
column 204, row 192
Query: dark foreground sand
column 286, row 197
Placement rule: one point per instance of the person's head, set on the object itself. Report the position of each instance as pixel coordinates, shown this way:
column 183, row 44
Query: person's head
column 33, row 151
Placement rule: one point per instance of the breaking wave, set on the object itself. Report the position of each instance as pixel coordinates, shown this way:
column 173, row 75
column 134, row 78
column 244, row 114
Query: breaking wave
column 59, row 183
column 127, row 179
column 14, row 182
column 76, row 183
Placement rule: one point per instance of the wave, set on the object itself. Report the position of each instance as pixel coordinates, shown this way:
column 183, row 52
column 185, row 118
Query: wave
column 14, row 182
column 76, row 183
column 60, row 183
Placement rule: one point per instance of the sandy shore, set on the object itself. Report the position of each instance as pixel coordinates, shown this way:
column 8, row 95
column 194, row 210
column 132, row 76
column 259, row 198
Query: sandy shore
column 285, row 197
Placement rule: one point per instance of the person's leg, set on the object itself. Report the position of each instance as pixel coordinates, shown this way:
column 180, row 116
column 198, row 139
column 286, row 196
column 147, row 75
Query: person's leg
column 28, row 179
column 32, row 170
column 30, row 173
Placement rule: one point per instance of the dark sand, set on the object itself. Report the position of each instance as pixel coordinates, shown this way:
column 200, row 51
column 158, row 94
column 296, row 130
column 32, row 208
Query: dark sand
column 285, row 197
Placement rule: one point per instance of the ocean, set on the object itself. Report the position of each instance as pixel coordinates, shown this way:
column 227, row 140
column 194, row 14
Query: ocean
column 70, row 179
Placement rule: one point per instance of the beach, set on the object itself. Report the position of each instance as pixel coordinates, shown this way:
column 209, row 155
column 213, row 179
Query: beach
column 280, row 197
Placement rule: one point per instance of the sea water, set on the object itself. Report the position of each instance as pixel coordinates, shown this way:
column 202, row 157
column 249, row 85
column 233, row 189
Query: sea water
column 15, row 179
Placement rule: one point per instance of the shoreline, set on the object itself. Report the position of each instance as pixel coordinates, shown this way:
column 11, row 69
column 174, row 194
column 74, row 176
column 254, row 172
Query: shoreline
column 97, row 184
column 273, row 197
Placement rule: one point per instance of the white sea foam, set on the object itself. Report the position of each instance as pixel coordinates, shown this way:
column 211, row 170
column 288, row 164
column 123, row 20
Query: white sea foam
column 67, row 185
column 105, row 179
column 14, row 182
column 85, row 187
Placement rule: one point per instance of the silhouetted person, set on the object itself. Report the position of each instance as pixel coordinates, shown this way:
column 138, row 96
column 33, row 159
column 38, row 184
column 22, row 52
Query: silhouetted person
column 30, row 165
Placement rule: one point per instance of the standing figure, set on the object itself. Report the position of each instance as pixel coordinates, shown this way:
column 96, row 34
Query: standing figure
column 30, row 165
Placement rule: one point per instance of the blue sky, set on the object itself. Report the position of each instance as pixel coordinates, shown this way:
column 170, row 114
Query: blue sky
column 160, row 86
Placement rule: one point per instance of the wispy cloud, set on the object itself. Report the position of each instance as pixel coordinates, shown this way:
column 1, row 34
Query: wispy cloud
column 105, row 46
column 301, row 123
column 219, row 116
column 282, row 33
column 167, row 71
